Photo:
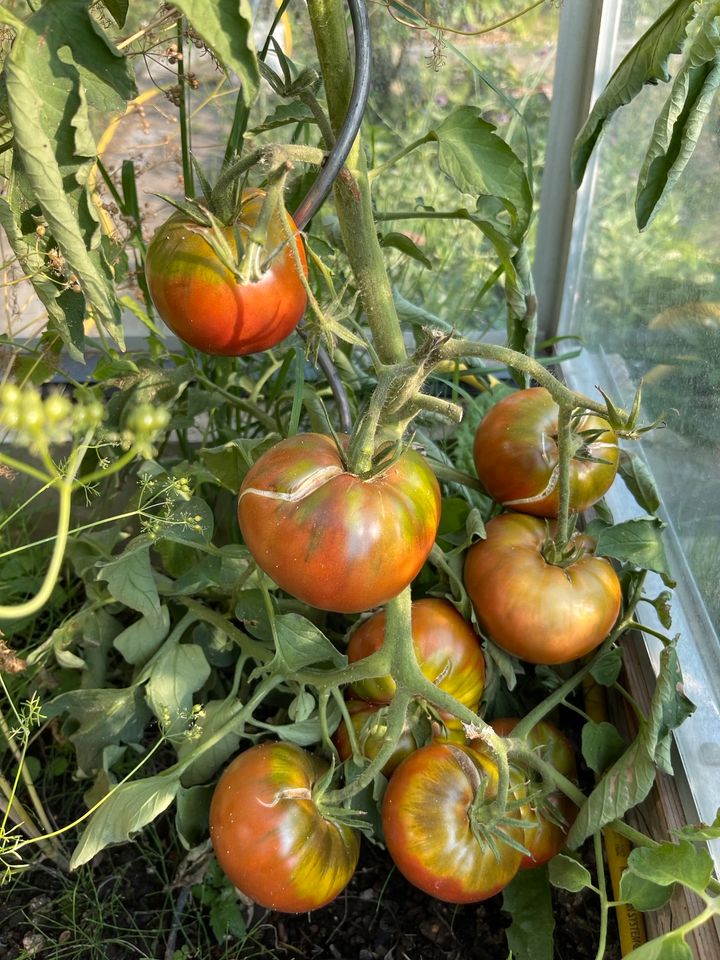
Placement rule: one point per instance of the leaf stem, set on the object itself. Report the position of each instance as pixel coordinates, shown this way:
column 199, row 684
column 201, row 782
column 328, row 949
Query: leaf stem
column 188, row 182
column 602, row 892
column 565, row 453
column 379, row 170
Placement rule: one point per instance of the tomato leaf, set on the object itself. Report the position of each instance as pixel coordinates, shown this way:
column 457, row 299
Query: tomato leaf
column 680, row 122
column 601, row 745
column 641, row 893
column 130, row 580
column 403, row 243
column 671, row 946
column 301, row 644
column 638, row 542
column 129, row 808
column 61, row 72
column 568, row 874
column 645, row 63
column 192, row 814
column 118, row 10
column 226, row 27
column 607, row 669
column 671, row 863
column 178, row 671
column 662, row 607
column 216, row 714
column 639, row 481
column 702, row 831
column 528, row 901
column 284, row 114
column 101, row 718
column 226, row 915
column 481, row 163
column 141, row 639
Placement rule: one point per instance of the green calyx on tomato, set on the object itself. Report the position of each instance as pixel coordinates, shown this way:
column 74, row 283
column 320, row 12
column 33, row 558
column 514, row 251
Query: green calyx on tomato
column 447, row 648
column 208, row 305
column 535, row 610
column 517, row 457
column 271, row 838
column 550, row 814
column 369, row 727
column 434, row 824
column 330, row 538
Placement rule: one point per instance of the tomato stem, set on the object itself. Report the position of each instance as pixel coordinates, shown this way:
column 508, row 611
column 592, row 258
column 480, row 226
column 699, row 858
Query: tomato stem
column 565, row 453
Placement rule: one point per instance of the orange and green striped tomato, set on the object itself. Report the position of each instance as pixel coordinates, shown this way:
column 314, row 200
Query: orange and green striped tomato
column 430, row 830
column 335, row 540
column 269, row 836
column 548, row 836
column 516, row 455
column 539, row 611
column 447, row 648
column 206, row 305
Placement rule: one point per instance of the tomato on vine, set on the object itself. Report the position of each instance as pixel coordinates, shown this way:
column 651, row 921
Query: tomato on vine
column 516, row 455
column 209, row 307
column 331, row 538
column 269, row 835
column 553, row 816
column 541, row 612
column 432, row 814
column 447, row 648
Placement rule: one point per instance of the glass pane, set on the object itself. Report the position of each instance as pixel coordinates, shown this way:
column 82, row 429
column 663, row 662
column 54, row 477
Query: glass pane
column 647, row 306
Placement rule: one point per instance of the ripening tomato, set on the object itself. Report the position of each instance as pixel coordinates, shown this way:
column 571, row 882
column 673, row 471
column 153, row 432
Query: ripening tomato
column 516, row 455
column 271, row 839
column 554, row 816
column 206, row 305
column 432, row 833
column 447, row 648
column 370, row 726
column 333, row 539
column 536, row 610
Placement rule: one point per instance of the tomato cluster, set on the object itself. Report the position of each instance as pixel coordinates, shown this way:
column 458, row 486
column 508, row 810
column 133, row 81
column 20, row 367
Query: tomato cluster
column 348, row 543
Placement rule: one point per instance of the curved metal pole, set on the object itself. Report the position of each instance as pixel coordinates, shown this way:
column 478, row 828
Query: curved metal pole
column 351, row 125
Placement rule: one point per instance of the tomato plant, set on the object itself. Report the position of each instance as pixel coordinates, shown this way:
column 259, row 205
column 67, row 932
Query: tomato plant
column 333, row 539
column 269, row 835
column 517, row 459
column 553, row 815
column 210, row 308
column 447, row 648
column 433, row 831
column 539, row 611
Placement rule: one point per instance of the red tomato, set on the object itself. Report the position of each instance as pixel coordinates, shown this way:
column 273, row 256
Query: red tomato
column 370, row 728
column 269, row 836
column 333, row 539
column 206, row 305
column 447, row 648
column 430, row 830
column 548, row 836
column 516, row 455
column 535, row 610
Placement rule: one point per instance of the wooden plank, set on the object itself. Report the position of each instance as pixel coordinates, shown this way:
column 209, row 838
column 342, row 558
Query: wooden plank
column 663, row 811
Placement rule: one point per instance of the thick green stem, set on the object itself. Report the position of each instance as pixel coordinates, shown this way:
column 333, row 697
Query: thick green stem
column 397, row 712
column 457, row 349
column 565, row 454
column 522, row 309
column 352, row 194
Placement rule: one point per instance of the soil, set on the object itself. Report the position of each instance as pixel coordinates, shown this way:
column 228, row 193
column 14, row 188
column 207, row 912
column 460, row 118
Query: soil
column 126, row 909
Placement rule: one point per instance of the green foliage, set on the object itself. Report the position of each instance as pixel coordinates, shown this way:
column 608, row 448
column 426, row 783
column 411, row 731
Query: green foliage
column 527, row 900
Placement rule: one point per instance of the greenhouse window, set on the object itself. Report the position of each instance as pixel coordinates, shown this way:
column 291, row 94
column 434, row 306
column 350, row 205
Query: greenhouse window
column 646, row 306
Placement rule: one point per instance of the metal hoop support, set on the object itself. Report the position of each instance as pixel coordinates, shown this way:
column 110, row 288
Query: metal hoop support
column 323, row 183
column 348, row 132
